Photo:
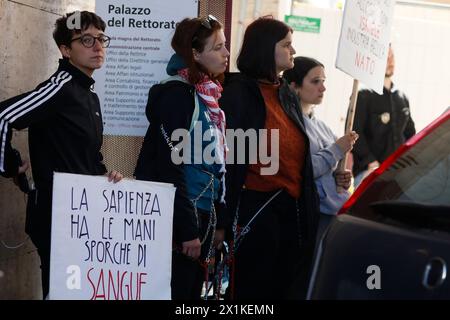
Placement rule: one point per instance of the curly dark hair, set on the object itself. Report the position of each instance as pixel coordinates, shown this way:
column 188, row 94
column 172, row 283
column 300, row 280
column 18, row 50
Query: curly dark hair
column 62, row 34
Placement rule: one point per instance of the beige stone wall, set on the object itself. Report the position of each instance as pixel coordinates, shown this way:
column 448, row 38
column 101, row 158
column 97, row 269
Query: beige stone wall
column 252, row 9
column 28, row 55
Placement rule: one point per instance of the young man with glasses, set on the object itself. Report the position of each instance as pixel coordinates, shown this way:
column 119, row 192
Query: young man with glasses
column 65, row 125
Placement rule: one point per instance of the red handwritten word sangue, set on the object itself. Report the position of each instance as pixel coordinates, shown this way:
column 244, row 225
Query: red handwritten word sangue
column 116, row 285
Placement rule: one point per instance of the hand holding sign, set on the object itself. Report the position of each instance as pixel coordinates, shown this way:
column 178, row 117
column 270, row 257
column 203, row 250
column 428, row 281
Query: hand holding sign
column 115, row 176
column 363, row 49
column 347, row 141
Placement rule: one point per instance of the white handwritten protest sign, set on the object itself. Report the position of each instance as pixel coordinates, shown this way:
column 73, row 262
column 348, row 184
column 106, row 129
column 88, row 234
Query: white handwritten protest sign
column 364, row 40
column 110, row 241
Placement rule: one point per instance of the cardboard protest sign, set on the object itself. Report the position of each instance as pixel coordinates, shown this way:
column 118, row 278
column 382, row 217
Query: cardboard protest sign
column 110, row 241
column 364, row 40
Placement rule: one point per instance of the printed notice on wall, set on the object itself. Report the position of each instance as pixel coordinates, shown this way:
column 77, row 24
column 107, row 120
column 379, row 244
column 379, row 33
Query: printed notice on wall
column 141, row 32
column 364, row 40
column 110, row 241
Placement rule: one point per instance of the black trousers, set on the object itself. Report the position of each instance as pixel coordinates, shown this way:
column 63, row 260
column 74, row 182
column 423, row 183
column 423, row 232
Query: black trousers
column 188, row 275
column 268, row 260
column 38, row 227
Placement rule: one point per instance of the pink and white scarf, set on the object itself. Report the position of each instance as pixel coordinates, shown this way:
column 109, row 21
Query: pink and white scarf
column 210, row 92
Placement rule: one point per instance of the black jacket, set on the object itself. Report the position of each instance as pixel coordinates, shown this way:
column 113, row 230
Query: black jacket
column 170, row 104
column 65, row 127
column 65, row 135
column 245, row 108
column 383, row 123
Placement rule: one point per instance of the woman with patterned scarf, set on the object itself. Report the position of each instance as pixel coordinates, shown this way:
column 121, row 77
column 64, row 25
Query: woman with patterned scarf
column 186, row 106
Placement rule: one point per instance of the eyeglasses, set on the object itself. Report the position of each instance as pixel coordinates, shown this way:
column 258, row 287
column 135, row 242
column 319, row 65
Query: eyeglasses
column 89, row 41
column 207, row 22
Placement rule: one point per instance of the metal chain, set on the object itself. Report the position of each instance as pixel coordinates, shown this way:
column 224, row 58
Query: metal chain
column 212, row 223
column 238, row 237
column 213, row 217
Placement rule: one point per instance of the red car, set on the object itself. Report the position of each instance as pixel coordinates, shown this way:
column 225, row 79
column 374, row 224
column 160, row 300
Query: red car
column 391, row 239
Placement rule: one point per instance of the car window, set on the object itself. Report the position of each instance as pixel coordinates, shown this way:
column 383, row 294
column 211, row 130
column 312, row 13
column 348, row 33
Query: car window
column 420, row 175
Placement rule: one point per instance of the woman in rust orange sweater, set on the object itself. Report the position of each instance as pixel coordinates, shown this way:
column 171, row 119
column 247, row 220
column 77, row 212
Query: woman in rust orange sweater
column 271, row 196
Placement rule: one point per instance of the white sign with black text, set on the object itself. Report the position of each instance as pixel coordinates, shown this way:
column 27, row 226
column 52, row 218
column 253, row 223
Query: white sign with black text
column 110, row 241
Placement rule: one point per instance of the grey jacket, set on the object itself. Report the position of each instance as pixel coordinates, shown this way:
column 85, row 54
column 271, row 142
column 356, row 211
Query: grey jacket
column 325, row 155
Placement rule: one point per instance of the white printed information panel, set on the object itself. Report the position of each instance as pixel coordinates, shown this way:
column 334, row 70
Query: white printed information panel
column 141, row 32
column 110, row 241
column 364, row 40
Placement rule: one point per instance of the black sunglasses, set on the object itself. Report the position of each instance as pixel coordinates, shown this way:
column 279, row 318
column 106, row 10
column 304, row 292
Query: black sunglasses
column 207, row 22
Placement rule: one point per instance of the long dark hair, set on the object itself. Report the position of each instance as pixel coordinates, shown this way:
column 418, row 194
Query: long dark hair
column 192, row 34
column 302, row 65
column 257, row 56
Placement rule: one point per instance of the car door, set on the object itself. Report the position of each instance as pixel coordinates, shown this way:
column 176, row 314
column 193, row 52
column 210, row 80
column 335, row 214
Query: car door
column 363, row 259
column 394, row 240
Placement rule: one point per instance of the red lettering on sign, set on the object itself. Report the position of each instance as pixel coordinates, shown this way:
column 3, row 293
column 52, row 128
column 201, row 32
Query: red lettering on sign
column 121, row 285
